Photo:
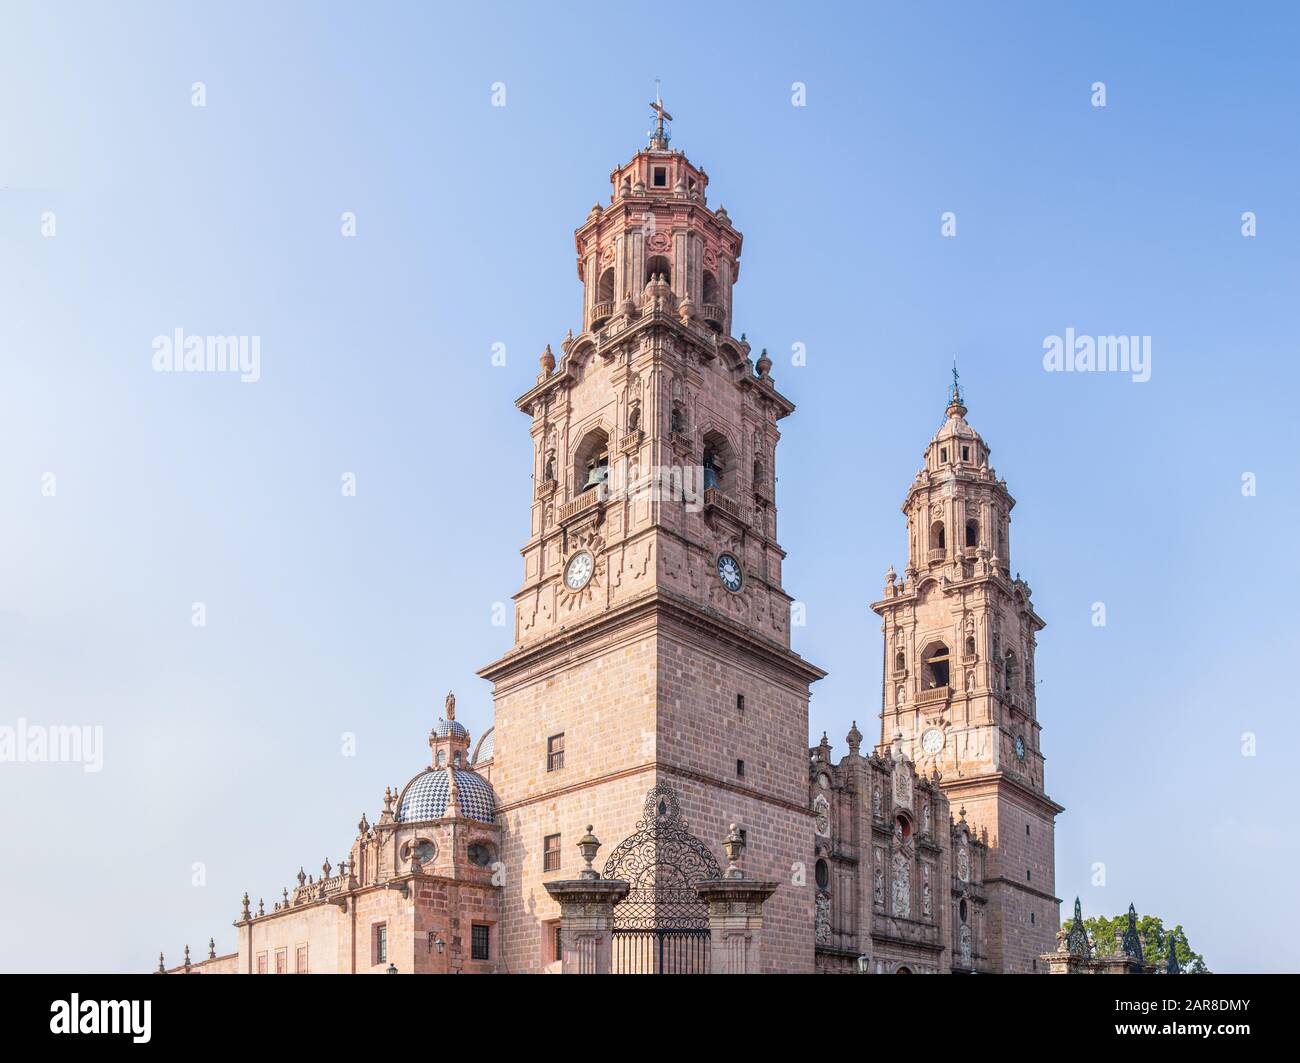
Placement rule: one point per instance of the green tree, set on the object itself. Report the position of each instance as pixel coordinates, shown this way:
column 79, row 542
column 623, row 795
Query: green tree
column 1106, row 934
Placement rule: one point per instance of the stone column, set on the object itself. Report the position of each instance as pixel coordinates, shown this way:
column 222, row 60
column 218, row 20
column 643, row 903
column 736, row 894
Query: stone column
column 735, row 923
column 735, row 914
column 587, row 915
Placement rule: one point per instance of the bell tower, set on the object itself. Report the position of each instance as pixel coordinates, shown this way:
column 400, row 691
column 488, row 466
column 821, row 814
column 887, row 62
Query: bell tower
column 652, row 629
column 958, row 672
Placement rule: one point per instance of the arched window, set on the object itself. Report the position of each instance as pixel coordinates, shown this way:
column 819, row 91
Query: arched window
column 716, row 461
column 961, row 910
column 934, row 672
column 823, row 875
column 905, row 825
column 972, row 533
column 659, row 266
column 900, row 661
column 605, row 289
column 677, row 420
column 710, row 290
column 970, row 645
column 591, row 462
column 937, row 541
column 1009, row 671
column 634, row 418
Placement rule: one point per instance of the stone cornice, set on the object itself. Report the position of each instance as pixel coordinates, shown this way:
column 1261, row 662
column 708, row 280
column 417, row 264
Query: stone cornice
column 998, row 779
column 654, row 606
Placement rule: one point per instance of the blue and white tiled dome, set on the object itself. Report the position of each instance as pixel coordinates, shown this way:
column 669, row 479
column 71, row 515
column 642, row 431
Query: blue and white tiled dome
column 444, row 728
column 486, row 745
column 426, row 797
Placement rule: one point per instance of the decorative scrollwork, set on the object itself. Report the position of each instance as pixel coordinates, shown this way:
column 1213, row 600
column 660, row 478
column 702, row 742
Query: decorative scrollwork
column 661, row 861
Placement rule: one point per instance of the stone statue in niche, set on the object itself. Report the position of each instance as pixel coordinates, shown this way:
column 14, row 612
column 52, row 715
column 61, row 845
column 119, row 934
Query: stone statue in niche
column 880, row 879
column 901, row 893
column 902, row 786
column 823, row 918
column 926, row 904
column 877, row 802
column 964, row 945
column 925, row 818
column 963, row 863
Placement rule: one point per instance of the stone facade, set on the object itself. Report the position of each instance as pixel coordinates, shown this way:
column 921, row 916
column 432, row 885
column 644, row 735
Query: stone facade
column 899, row 886
column 651, row 689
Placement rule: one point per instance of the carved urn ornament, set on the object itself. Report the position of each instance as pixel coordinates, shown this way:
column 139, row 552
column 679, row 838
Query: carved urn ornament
column 588, row 846
column 733, row 845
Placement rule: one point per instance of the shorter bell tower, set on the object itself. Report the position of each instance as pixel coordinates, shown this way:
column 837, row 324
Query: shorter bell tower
column 960, row 633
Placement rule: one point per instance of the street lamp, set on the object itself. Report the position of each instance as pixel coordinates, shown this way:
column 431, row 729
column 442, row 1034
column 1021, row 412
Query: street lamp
column 392, row 969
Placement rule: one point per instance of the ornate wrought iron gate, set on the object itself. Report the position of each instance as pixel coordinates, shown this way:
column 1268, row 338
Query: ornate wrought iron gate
column 661, row 927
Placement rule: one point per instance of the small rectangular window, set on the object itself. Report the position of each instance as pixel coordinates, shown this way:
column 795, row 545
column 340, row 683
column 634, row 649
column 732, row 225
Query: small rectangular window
column 740, row 769
column 559, row 942
column 943, row 453
column 551, row 853
column 281, row 961
column 555, row 752
column 480, row 939
column 740, row 702
column 379, row 948
column 300, row 960
column 661, row 177
column 261, row 963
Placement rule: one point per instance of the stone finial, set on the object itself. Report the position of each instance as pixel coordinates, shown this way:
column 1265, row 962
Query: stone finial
column 449, row 705
column 245, row 914
column 388, row 800
column 891, row 576
column 285, row 896
column 261, row 907
column 961, row 813
column 187, row 957
column 162, row 967
column 588, row 846
column 302, row 877
column 854, row 739
column 734, row 846
column 212, row 948
column 363, row 824
column 764, row 365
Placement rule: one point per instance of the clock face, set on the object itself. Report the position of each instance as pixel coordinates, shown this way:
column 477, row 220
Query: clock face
column 578, row 572
column 729, row 573
column 1020, row 748
column 932, row 741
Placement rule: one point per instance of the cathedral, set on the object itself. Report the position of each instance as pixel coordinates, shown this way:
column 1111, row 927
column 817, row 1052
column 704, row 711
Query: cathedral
column 646, row 799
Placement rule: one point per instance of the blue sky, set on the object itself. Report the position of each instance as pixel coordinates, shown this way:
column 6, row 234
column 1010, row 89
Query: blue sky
column 328, row 614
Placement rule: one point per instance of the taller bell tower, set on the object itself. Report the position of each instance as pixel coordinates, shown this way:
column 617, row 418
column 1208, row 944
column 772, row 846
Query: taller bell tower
column 652, row 629
column 959, row 691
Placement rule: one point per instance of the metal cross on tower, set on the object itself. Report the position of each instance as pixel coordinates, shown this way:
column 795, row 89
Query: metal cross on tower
column 659, row 139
